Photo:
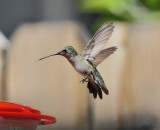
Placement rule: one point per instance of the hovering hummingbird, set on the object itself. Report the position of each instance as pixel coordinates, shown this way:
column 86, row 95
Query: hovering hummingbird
column 93, row 54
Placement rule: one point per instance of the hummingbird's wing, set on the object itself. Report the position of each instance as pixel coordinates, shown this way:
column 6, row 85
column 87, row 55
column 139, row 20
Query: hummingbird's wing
column 98, row 41
column 99, row 81
column 96, row 83
column 103, row 55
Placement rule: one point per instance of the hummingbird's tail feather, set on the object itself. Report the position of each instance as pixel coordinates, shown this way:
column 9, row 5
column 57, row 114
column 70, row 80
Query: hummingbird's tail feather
column 99, row 92
column 93, row 88
column 89, row 86
column 94, row 93
column 96, row 85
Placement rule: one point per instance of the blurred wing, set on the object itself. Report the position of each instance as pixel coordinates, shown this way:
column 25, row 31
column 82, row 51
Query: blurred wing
column 98, row 41
column 103, row 55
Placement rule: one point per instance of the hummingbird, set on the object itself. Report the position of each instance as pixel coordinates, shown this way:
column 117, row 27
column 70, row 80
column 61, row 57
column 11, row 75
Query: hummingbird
column 93, row 54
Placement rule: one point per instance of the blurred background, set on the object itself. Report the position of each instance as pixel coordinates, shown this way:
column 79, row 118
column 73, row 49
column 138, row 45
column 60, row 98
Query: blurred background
column 31, row 29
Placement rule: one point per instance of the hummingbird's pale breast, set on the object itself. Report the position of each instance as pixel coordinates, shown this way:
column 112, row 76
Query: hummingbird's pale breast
column 80, row 64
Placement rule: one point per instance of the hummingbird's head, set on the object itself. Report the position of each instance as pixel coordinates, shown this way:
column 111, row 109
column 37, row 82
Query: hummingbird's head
column 67, row 52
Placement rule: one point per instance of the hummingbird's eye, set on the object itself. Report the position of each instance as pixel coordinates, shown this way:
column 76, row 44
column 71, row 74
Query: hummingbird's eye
column 65, row 51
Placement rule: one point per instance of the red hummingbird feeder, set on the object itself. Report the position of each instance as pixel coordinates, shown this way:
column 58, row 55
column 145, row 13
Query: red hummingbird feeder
column 13, row 115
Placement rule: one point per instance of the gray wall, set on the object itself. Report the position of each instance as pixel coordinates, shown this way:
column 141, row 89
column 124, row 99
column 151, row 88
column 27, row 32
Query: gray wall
column 14, row 13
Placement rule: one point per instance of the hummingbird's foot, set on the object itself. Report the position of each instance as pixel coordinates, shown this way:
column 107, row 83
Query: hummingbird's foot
column 85, row 79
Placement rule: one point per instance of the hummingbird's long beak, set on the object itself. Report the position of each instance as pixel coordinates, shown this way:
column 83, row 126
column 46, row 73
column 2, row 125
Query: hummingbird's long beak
column 49, row 56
